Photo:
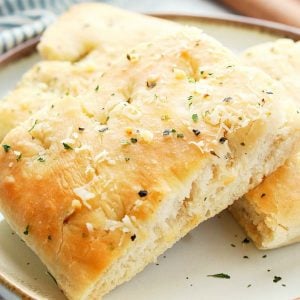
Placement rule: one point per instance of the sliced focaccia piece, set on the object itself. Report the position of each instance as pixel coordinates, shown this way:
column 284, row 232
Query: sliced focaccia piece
column 96, row 26
column 101, row 184
column 270, row 213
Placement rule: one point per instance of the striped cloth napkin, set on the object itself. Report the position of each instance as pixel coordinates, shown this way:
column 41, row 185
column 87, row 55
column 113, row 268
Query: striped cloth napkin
column 21, row 20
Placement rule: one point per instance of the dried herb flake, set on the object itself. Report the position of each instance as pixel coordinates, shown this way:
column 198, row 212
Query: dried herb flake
column 67, row 146
column 6, row 147
column 143, row 193
column 26, row 231
column 276, row 279
column 195, row 118
column 220, row 275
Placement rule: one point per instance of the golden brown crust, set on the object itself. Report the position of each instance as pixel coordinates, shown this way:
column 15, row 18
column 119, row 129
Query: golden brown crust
column 146, row 109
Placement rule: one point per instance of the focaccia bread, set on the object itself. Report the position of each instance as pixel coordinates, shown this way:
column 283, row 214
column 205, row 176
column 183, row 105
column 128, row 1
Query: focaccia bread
column 93, row 35
column 270, row 213
column 174, row 133
column 88, row 27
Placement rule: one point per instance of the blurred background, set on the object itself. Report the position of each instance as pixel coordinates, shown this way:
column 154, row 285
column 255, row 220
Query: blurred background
column 284, row 11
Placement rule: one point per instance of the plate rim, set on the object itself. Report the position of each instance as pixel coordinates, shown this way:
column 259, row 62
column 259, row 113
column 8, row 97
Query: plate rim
column 28, row 47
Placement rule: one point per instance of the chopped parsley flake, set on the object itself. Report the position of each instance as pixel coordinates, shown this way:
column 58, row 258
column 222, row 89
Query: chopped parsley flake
column 264, row 256
column 32, row 127
column 245, row 256
column 214, row 153
column 41, row 159
column 246, row 241
column 166, row 132
column 180, row 135
column 195, row 117
column 249, row 285
column 26, row 231
column 97, row 88
column 67, row 146
column 276, row 279
column 196, row 132
column 227, row 99
column 232, row 245
column 220, row 275
column 103, row 129
column 222, row 140
column 6, row 147
column 143, row 193
column 133, row 140
column 190, row 98
column 128, row 57
column 81, row 128
column 127, row 159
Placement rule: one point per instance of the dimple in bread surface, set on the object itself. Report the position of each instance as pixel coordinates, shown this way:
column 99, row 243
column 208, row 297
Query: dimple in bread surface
column 97, row 167
column 270, row 212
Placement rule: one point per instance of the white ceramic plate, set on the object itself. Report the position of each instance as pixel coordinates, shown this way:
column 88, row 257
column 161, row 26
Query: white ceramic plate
column 182, row 272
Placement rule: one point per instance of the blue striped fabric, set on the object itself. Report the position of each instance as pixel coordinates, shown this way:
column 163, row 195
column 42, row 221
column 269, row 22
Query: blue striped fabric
column 21, row 20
